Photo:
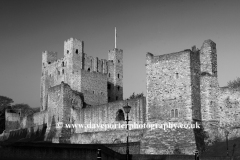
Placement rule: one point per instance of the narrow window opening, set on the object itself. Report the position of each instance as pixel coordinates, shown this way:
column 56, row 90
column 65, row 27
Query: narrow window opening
column 76, row 51
column 102, row 66
column 118, row 61
column 172, row 113
column 118, row 88
column 91, row 64
column 63, row 71
column 177, row 75
column 67, row 51
column 58, row 72
column 108, row 74
column 93, row 92
column 109, row 98
column 62, row 64
column 109, row 86
column 118, row 75
column 88, row 69
column 176, row 113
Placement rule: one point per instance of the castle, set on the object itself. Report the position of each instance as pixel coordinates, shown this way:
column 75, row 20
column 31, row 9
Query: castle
column 181, row 87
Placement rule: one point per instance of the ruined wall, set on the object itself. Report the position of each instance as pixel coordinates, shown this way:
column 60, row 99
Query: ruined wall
column 228, row 101
column 228, row 104
column 170, row 99
column 209, row 81
column 94, row 87
column 83, row 73
column 169, row 86
column 195, row 84
column 107, row 114
column 69, row 108
column 209, row 94
column 12, row 120
column 35, row 119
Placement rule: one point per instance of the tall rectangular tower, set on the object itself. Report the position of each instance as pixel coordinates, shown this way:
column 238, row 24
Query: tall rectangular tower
column 115, row 75
column 209, row 83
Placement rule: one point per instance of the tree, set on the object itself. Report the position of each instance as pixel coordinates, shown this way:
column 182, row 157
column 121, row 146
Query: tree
column 5, row 103
column 136, row 95
column 25, row 109
column 235, row 83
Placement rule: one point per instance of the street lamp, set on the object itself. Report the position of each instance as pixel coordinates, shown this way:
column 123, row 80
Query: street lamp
column 127, row 109
column 226, row 134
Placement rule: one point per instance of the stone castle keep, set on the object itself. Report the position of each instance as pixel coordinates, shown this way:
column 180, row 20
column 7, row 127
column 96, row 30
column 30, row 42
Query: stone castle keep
column 181, row 87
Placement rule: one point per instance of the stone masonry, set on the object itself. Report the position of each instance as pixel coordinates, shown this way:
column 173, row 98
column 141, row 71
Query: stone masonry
column 182, row 87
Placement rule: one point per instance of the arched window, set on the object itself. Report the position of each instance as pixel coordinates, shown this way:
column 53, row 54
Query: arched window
column 176, row 113
column 120, row 115
column 172, row 113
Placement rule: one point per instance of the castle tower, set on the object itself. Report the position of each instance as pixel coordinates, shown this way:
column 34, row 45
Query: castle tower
column 208, row 81
column 173, row 96
column 115, row 73
column 73, row 51
column 47, row 59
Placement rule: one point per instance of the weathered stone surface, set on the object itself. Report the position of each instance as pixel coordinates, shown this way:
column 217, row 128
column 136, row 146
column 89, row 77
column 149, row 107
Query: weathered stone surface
column 181, row 87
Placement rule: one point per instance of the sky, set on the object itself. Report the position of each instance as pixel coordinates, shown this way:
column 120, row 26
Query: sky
column 27, row 28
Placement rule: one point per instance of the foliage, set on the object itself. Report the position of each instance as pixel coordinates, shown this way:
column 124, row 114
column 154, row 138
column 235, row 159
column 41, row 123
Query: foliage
column 25, row 109
column 235, row 83
column 35, row 110
column 136, row 95
column 5, row 103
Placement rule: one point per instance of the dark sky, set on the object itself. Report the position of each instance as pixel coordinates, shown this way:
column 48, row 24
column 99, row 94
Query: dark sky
column 27, row 28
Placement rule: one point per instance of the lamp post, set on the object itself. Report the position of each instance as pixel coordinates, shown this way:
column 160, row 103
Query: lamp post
column 226, row 134
column 127, row 109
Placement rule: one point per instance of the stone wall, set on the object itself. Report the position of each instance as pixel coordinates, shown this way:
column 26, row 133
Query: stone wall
column 107, row 114
column 169, row 99
column 107, row 137
column 94, row 87
column 83, row 73
column 115, row 74
column 67, row 106
column 12, row 120
column 169, row 87
column 35, row 119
